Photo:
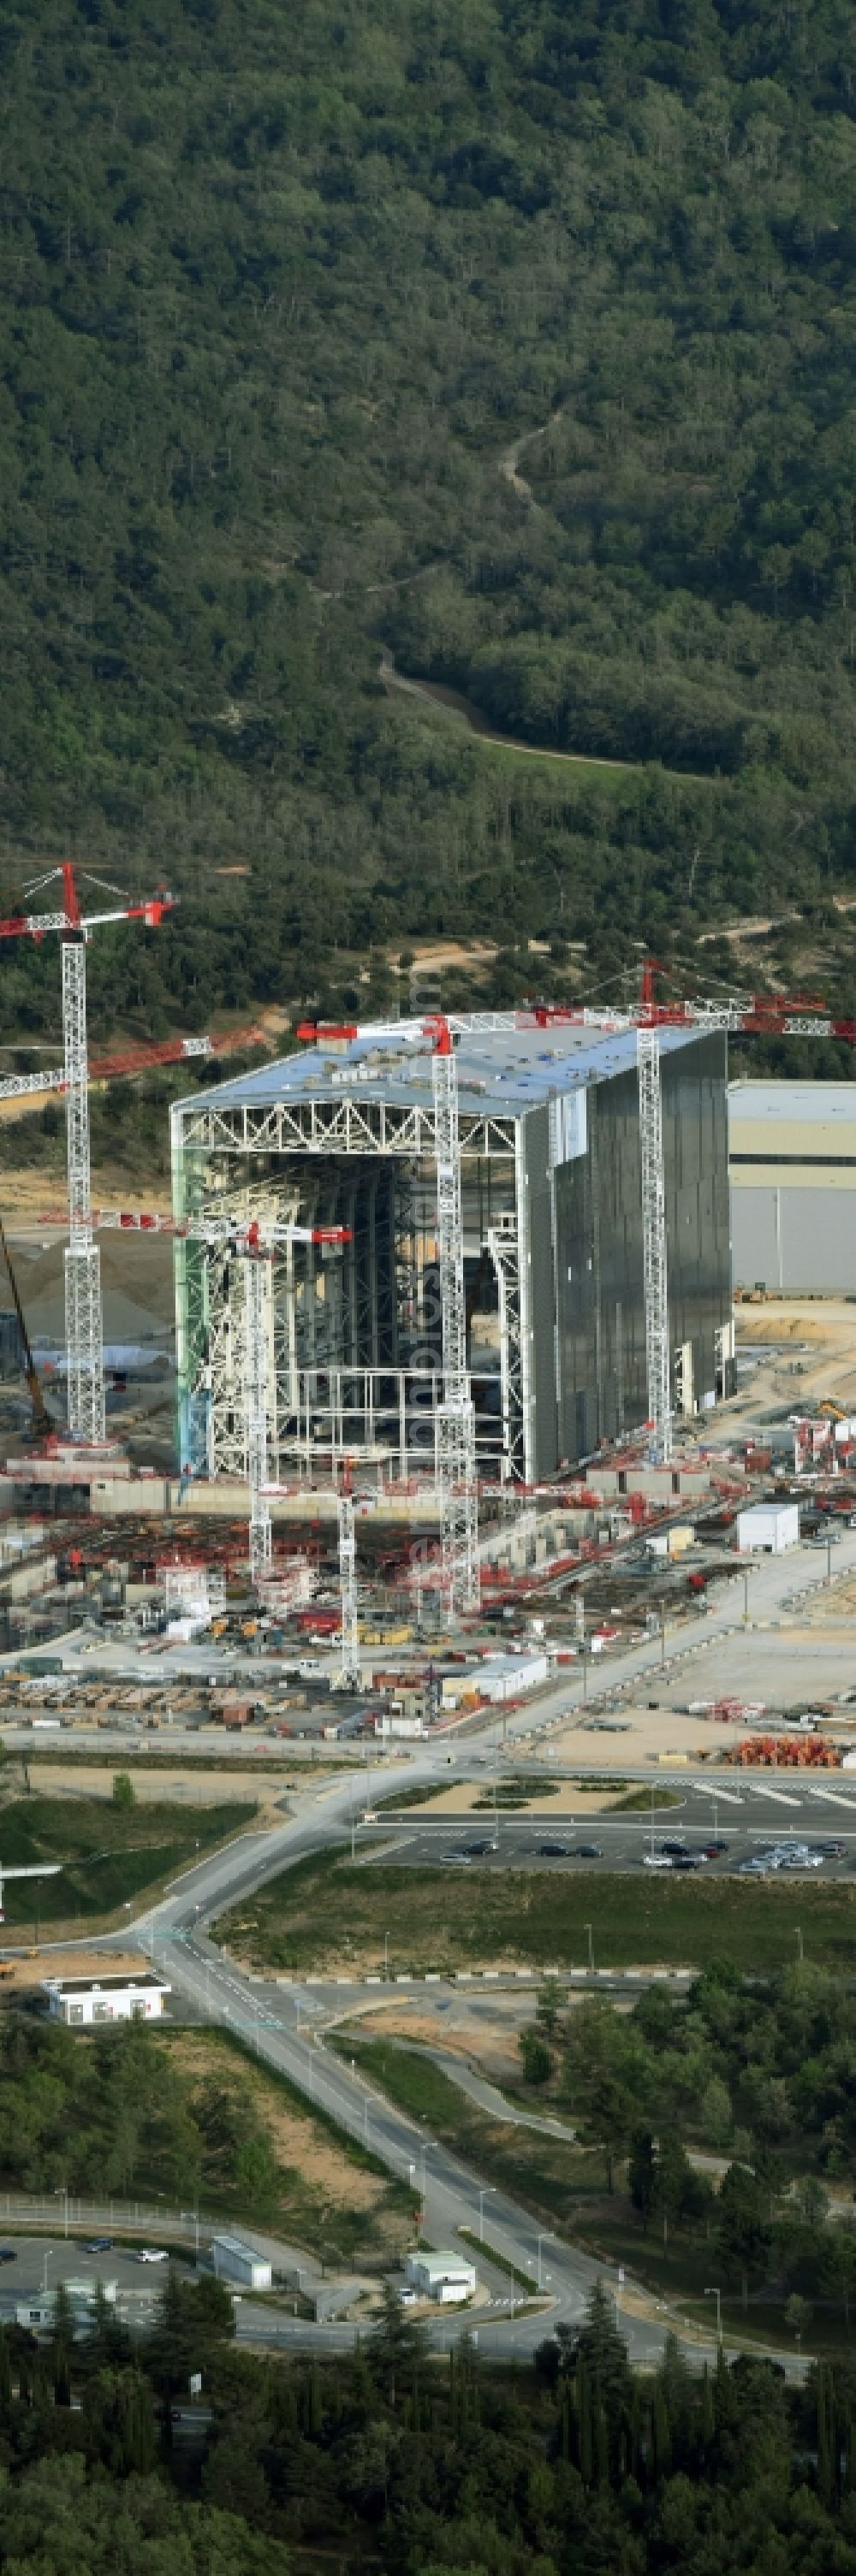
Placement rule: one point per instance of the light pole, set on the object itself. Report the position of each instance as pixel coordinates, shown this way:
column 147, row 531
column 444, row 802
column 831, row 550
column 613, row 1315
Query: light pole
column 717, row 2295
column 587, row 1928
column 47, row 2259
column 62, row 2189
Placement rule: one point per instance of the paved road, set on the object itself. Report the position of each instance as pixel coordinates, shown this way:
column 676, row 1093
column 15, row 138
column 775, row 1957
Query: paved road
column 273, row 2021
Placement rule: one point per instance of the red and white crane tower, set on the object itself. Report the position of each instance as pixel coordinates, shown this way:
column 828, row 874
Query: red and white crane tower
column 83, row 1315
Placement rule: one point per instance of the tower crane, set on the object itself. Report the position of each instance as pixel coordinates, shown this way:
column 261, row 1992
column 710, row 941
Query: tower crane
column 130, row 1061
column 83, row 1313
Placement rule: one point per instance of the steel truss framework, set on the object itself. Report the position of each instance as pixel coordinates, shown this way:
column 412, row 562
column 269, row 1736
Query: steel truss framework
column 654, row 1243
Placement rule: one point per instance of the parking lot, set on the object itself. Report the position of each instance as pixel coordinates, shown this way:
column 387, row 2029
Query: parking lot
column 746, row 1814
column 40, row 2262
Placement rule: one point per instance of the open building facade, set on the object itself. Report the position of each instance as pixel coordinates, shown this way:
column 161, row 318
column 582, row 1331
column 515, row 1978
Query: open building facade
column 342, row 1135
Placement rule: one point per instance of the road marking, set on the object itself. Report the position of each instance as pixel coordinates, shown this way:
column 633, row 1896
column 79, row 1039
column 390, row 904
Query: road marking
column 834, row 1798
column 711, row 1791
column 780, row 1796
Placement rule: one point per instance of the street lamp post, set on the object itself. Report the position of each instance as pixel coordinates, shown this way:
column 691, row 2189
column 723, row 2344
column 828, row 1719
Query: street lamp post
column 717, row 2295
column 62, row 2191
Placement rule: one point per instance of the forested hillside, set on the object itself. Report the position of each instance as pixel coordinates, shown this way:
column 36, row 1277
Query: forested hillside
column 511, row 342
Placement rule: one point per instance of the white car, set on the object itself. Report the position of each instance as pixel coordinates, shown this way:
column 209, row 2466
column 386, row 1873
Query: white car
column 656, row 1860
column 153, row 2254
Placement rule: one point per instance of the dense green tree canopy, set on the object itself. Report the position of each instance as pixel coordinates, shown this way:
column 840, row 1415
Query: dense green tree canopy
column 514, row 341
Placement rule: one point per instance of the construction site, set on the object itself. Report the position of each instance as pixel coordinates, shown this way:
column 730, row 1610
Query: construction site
column 448, row 1397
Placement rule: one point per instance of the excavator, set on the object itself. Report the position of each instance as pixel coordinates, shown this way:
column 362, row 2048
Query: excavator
column 41, row 1426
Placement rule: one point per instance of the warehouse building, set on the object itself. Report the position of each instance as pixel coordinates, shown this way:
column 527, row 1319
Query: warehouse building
column 792, row 1175
column 343, row 1135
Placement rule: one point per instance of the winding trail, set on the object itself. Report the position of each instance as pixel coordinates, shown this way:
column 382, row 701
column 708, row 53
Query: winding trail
column 452, row 702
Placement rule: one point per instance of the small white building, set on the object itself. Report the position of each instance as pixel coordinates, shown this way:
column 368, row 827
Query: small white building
column 233, row 2261
column 80, row 2001
column 441, row 2276
column 768, row 1528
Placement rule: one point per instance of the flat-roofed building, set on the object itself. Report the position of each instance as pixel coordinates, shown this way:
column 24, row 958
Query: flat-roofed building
column 792, row 1175
column 81, row 2001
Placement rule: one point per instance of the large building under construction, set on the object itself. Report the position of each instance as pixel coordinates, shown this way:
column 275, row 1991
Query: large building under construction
column 342, row 1135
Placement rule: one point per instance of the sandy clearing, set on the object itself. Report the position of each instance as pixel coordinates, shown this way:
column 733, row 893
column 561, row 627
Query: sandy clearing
column 47, row 1962
column 299, row 2143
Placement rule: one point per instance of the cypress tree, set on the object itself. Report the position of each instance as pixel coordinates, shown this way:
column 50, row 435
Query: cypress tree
column 601, row 2434
column 662, row 2435
column 584, row 2425
column 5, row 2370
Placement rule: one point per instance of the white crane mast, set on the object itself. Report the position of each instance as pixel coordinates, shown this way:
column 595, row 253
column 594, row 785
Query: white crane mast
column 83, row 1317
column 348, row 1590
column 654, row 1258
column 456, row 1436
column 84, row 1333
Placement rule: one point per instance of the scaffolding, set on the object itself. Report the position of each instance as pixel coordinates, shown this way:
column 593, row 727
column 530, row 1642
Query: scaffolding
column 455, row 1418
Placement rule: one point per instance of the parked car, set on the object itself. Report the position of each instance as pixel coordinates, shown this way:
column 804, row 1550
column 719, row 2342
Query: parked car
column 460, row 1859
column 589, row 1851
column 687, row 1860
column 714, row 1851
column 153, row 2254
column 657, row 1860
column 8, row 2254
column 675, row 1848
column 100, row 2245
column 473, row 1851
column 552, row 1851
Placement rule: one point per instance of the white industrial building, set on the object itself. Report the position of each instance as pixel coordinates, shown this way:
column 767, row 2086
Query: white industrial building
column 82, row 2001
column 792, row 1176
column 767, row 1529
column 592, row 1207
column 441, row 2276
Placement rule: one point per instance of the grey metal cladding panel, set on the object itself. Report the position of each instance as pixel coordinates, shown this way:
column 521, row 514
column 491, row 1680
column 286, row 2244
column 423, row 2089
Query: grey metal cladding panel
column 576, row 1305
column 755, row 1252
column 695, row 1146
column 536, row 1147
column 808, row 1246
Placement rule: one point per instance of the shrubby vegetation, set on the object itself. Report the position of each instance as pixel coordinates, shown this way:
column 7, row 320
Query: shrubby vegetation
column 281, row 294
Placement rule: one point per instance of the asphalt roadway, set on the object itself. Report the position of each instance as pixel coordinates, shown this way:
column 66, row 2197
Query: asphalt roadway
column 278, row 2023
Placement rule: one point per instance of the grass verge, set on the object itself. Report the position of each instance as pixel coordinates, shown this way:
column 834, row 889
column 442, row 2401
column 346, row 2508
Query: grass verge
column 323, row 1913
column 108, row 1855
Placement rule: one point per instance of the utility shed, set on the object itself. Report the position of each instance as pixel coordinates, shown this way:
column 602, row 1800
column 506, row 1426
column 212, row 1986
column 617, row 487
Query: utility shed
column 233, row 2261
column 441, row 2276
column 344, row 1136
column 768, row 1528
